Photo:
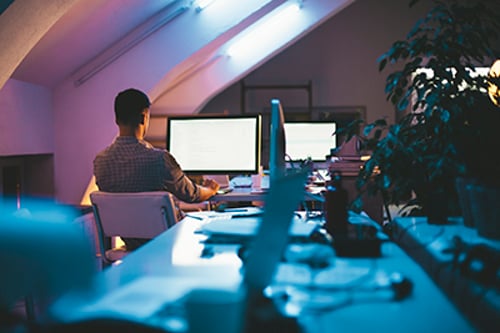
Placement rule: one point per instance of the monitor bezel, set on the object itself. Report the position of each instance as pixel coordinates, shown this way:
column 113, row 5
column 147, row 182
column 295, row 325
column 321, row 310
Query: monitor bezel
column 258, row 143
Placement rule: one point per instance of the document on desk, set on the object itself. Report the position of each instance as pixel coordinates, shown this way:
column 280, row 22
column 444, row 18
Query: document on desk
column 248, row 226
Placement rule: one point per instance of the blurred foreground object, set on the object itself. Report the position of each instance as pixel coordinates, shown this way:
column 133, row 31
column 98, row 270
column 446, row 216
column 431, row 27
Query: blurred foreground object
column 43, row 252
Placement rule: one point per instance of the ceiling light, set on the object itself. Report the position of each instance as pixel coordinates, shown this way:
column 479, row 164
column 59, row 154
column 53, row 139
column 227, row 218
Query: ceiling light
column 202, row 4
column 267, row 32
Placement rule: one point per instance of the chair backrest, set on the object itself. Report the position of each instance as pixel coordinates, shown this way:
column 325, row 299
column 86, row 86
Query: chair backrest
column 133, row 214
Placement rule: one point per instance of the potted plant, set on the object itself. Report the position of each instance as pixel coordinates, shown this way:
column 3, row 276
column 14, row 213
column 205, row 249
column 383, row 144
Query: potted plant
column 443, row 125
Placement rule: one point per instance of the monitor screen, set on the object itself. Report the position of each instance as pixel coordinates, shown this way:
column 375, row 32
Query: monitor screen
column 215, row 144
column 309, row 139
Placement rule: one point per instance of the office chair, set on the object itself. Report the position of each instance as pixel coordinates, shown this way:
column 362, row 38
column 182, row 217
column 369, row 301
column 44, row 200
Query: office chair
column 131, row 214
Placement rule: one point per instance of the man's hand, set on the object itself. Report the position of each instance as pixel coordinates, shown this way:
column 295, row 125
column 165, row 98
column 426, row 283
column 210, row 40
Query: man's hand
column 211, row 184
column 208, row 189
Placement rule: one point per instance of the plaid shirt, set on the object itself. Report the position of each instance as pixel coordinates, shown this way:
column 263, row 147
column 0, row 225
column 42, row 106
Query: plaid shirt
column 132, row 165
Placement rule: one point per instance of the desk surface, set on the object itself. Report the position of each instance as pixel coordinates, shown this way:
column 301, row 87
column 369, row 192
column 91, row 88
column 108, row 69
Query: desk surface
column 432, row 245
column 170, row 265
column 240, row 194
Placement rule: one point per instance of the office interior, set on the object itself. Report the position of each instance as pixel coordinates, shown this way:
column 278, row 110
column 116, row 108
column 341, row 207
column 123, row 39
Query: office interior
column 63, row 62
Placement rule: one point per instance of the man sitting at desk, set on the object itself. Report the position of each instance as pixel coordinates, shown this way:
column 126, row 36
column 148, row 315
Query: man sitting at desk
column 131, row 164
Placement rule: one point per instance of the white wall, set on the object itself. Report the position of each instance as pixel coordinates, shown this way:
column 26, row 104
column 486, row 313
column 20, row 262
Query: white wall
column 26, row 119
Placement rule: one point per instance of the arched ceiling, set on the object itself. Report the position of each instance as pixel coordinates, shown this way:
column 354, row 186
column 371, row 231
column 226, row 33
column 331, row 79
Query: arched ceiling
column 77, row 38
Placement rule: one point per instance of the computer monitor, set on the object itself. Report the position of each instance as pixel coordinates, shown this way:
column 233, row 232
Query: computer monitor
column 310, row 139
column 215, row 144
column 277, row 141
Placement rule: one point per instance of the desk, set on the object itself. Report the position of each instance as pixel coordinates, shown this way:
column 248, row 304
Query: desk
column 246, row 194
column 168, row 266
column 430, row 244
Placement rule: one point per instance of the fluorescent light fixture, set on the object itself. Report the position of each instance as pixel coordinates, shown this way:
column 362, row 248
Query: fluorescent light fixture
column 267, row 32
column 202, row 4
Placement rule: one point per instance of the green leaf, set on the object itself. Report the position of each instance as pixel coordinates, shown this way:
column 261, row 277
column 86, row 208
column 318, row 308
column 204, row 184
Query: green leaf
column 368, row 128
column 403, row 104
column 445, row 116
column 420, row 147
column 386, row 182
column 380, row 122
column 382, row 64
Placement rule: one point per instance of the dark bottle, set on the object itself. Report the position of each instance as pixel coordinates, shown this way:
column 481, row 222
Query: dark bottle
column 336, row 220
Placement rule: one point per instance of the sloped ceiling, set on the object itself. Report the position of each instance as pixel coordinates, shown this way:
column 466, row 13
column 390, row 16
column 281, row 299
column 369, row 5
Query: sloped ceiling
column 22, row 25
column 91, row 32
column 87, row 29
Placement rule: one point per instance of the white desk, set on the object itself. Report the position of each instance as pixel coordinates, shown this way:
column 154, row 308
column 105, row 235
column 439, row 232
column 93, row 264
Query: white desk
column 430, row 245
column 170, row 265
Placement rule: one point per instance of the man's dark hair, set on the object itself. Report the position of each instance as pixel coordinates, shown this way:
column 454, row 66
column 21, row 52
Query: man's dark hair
column 129, row 105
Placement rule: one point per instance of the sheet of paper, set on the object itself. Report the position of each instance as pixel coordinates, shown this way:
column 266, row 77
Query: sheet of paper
column 249, row 226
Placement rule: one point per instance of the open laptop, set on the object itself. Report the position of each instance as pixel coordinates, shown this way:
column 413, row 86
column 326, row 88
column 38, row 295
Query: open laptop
column 265, row 252
column 266, row 234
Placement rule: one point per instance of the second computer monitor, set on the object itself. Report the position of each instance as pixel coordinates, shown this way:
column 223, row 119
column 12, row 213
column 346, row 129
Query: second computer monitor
column 310, row 139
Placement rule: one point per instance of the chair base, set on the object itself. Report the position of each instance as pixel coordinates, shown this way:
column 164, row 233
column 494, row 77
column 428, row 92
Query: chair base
column 116, row 254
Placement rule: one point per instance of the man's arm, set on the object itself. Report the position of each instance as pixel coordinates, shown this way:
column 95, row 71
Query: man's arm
column 184, row 188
